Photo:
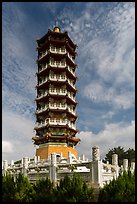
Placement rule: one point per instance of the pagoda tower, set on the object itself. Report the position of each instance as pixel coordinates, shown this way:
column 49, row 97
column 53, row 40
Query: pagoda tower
column 55, row 128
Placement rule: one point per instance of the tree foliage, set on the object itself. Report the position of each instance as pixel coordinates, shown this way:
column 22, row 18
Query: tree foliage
column 44, row 191
column 120, row 190
column 74, row 190
column 24, row 190
column 8, row 188
column 16, row 191
column 69, row 190
column 122, row 154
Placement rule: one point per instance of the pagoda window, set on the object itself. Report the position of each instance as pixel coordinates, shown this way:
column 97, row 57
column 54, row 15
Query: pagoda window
column 62, row 49
column 57, row 62
column 63, row 105
column 52, row 76
column 52, row 89
column 52, row 48
column 58, row 105
column 63, row 63
column 52, row 104
column 58, row 76
column 51, row 119
column 63, row 90
column 52, row 61
column 57, row 49
column 57, row 120
column 63, row 76
column 57, row 90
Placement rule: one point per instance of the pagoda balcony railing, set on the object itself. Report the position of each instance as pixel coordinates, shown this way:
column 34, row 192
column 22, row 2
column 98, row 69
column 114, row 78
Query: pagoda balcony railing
column 71, row 58
column 52, row 78
column 58, row 91
column 54, row 121
column 70, row 69
column 57, row 64
column 52, row 106
column 57, row 106
column 57, row 77
column 71, row 83
column 57, row 50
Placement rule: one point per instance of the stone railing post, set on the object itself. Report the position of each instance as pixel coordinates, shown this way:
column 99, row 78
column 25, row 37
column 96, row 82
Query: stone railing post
column 53, row 168
column 125, row 164
column 96, row 168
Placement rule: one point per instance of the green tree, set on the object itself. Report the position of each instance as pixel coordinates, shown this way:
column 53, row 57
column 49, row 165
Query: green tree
column 122, row 154
column 24, row 189
column 73, row 190
column 120, row 190
column 44, row 191
column 8, row 188
column 130, row 155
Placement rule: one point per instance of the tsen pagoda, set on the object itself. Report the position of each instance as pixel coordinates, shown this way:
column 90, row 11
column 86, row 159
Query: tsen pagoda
column 55, row 113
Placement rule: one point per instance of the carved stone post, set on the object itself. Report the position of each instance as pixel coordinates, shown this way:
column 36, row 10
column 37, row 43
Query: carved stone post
column 53, row 168
column 96, row 168
column 125, row 164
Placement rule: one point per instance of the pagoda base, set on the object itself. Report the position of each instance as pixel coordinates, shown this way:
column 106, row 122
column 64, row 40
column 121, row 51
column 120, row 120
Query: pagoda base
column 45, row 150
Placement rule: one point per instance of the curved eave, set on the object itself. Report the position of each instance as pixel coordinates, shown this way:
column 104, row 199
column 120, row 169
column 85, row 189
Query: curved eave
column 69, row 114
column 57, row 34
column 57, row 83
column 55, row 96
column 40, row 40
column 39, row 140
column 44, row 46
column 70, row 62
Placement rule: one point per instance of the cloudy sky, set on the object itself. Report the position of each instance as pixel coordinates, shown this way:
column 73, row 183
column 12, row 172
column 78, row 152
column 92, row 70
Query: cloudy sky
column 105, row 35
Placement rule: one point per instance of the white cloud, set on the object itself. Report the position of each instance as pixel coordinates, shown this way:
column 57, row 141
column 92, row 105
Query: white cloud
column 108, row 114
column 99, row 92
column 7, row 146
column 106, row 47
column 113, row 135
column 17, row 131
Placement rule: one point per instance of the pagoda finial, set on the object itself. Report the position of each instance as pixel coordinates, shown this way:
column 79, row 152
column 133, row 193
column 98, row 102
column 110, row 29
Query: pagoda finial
column 56, row 28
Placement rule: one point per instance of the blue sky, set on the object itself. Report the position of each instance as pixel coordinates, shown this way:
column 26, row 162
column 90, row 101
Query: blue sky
column 105, row 35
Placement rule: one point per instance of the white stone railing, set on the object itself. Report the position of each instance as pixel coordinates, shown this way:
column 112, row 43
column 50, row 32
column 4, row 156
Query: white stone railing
column 95, row 172
column 57, row 50
column 55, row 77
column 57, row 91
column 55, row 121
column 57, row 106
column 57, row 64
